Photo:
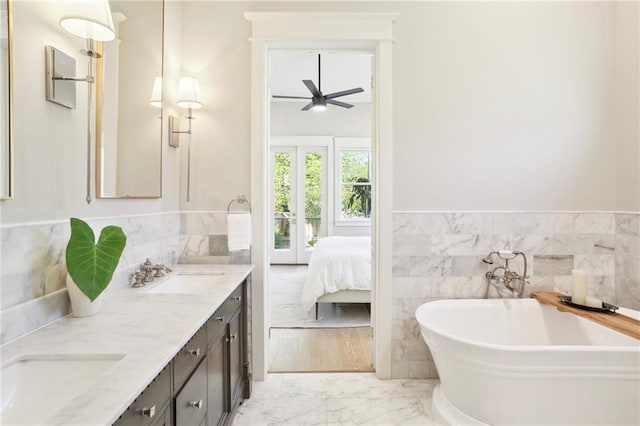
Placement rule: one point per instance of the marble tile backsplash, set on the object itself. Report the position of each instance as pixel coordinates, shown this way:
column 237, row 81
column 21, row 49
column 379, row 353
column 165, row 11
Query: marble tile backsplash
column 439, row 256
column 203, row 239
column 627, row 260
column 33, row 272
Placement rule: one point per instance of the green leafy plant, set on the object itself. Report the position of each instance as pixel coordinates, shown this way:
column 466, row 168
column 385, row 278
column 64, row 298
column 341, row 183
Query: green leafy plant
column 360, row 198
column 92, row 265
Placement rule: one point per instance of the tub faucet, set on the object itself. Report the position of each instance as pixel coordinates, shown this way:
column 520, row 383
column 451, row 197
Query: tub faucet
column 502, row 277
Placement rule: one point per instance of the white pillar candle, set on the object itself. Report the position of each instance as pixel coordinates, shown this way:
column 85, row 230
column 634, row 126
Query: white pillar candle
column 579, row 286
column 593, row 302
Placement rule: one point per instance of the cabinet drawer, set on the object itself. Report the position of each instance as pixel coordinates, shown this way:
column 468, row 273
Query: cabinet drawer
column 149, row 405
column 188, row 357
column 217, row 322
column 191, row 402
column 216, row 326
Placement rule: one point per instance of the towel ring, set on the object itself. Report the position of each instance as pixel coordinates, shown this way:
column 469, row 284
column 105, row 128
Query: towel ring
column 240, row 199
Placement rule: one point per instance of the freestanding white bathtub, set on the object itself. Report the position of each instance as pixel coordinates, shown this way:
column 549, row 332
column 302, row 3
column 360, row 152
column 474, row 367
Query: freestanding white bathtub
column 518, row 362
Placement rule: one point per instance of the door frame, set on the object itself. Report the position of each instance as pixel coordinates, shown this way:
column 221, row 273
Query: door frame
column 364, row 31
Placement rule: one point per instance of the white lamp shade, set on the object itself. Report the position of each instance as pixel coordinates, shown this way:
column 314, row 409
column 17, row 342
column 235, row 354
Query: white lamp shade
column 156, row 93
column 90, row 19
column 189, row 93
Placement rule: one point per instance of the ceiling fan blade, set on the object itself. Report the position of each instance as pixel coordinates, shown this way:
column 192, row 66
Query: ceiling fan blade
column 344, row 93
column 307, row 107
column 312, row 87
column 288, row 97
column 338, row 103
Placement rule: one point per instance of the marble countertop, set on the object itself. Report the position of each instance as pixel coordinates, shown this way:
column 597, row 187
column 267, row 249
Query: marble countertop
column 148, row 329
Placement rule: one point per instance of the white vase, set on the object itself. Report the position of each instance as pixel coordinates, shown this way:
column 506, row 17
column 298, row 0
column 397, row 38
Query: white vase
column 81, row 305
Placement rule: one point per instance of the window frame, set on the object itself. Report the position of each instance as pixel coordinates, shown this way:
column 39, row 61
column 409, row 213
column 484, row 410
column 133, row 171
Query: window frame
column 354, row 145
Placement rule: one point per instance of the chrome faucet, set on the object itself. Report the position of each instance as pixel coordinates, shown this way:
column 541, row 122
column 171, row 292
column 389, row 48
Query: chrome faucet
column 137, row 276
column 160, row 269
column 508, row 279
column 147, row 273
column 147, row 268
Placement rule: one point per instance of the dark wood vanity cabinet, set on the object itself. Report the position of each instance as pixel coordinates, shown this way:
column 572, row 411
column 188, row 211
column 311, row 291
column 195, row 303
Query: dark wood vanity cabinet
column 235, row 359
column 207, row 380
column 191, row 401
column 227, row 358
column 185, row 362
column 152, row 407
column 217, row 407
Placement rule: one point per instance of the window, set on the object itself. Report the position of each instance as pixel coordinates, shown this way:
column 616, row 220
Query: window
column 354, row 177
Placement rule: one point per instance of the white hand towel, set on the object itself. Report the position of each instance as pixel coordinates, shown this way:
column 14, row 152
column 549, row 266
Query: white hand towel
column 239, row 231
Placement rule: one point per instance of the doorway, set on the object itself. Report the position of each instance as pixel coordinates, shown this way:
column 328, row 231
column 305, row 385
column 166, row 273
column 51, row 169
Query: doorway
column 320, row 195
column 321, row 30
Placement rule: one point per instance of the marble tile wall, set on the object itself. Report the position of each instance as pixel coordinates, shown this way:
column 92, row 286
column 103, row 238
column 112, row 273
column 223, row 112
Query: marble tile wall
column 203, row 239
column 439, row 256
column 628, row 260
column 33, row 272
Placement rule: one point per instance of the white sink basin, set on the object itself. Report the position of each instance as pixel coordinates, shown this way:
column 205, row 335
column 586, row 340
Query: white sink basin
column 34, row 388
column 187, row 284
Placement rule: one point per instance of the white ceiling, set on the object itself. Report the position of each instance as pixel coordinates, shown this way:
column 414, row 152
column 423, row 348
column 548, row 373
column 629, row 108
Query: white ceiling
column 340, row 71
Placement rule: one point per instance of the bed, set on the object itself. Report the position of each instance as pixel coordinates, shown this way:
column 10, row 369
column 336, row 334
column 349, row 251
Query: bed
column 339, row 272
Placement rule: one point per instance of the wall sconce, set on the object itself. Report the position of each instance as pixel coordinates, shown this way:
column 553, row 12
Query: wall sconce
column 156, row 93
column 91, row 20
column 188, row 97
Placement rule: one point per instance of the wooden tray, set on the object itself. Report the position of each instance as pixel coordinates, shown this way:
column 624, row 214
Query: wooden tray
column 615, row 321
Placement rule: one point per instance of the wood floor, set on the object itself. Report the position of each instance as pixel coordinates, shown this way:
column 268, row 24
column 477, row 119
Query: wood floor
column 302, row 350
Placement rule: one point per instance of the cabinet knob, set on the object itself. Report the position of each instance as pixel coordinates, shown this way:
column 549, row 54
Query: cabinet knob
column 147, row 412
column 234, row 336
column 196, row 404
column 237, row 298
column 221, row 319
column 193, row 352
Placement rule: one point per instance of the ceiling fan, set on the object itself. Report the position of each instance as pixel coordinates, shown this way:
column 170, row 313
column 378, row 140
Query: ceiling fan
column 319, row 101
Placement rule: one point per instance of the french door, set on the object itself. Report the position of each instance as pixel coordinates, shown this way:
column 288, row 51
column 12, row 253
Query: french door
column 298, row 202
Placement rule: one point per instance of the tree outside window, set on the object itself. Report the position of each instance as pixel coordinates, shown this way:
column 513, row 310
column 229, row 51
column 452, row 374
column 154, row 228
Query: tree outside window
column 355, row 176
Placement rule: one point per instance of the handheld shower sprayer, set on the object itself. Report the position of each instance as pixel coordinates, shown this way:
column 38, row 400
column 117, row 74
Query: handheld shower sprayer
column 488, row 259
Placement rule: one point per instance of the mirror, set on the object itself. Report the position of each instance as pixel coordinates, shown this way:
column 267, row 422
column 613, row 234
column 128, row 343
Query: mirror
column 6, row 149
column 128, row 120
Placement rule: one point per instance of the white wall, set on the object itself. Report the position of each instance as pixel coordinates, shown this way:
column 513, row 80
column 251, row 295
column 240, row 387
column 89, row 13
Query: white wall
column 497, row 105
column 288, row 120
column 50, row 140
column 216, row 50
column 627, row 110
column 500, row 106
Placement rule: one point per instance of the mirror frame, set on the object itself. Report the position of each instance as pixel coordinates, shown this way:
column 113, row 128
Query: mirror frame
column 10, row 167
column 99, row 108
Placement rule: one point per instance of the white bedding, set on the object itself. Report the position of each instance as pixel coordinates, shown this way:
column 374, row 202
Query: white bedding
column 337, row 263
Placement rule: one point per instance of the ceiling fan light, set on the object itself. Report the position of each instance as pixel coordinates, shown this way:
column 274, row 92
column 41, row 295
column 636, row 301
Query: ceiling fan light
column 319, row 104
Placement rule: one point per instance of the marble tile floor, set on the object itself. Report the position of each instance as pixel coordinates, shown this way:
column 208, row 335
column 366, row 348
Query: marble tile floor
column 337, row 399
